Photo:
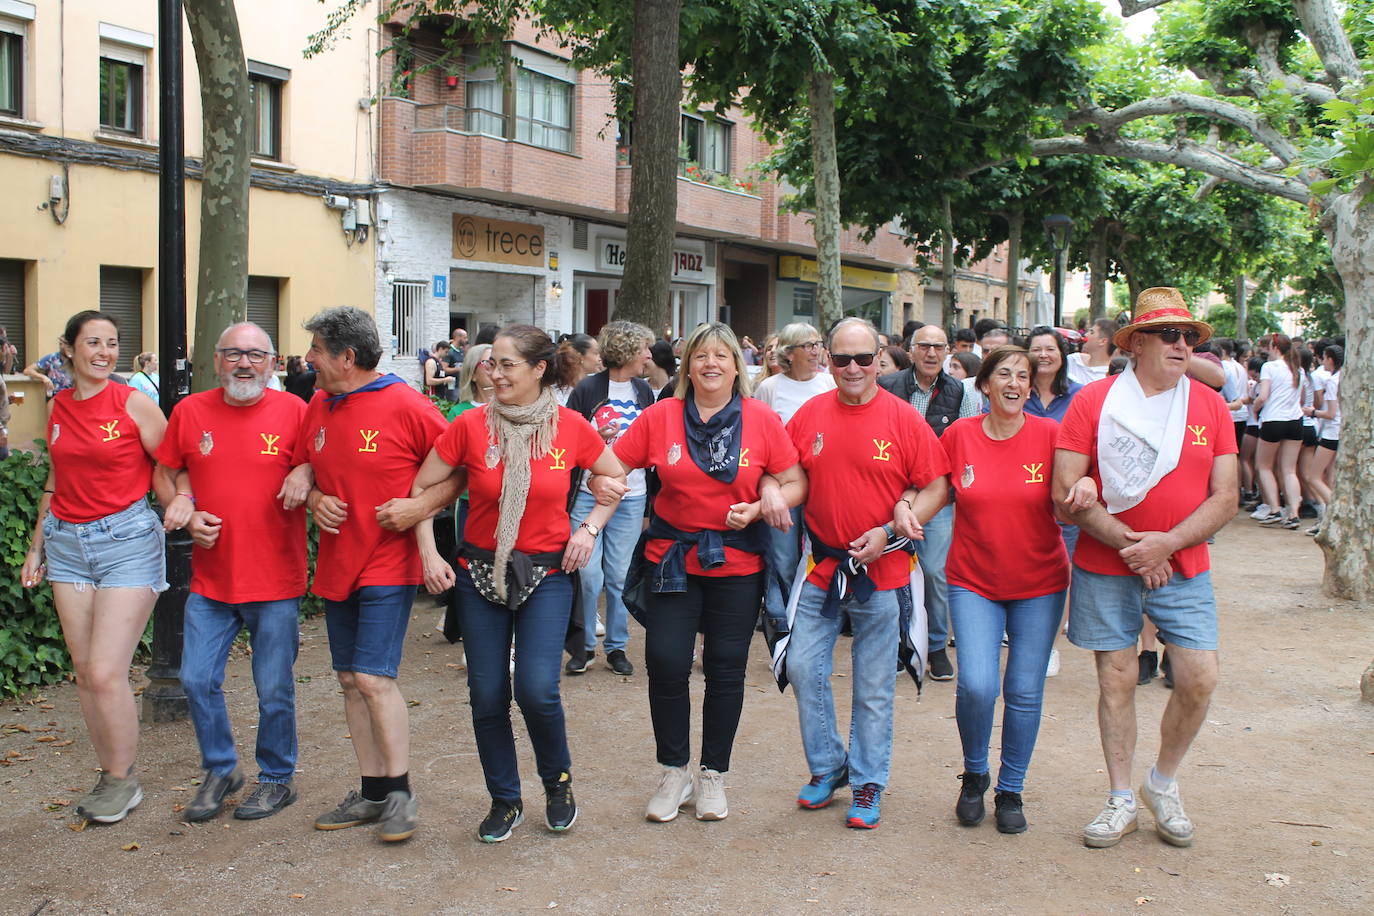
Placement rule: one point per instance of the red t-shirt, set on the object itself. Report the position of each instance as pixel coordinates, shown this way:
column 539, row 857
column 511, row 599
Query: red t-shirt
column 366, row 450
column 693, row 500
column 98, row 458
column 544, row 528
column 1006, row 543
column 859, row 460
column 1210, row 433
column 237, row 458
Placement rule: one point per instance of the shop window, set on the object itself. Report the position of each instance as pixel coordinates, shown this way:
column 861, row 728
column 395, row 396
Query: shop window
column 543, row 110
column 407, row 313
column 266, row 85
column 11, row 68
column 121, row 295
column 705, row 143
column 803, row 303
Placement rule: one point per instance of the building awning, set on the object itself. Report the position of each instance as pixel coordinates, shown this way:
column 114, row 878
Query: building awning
column 795, row 267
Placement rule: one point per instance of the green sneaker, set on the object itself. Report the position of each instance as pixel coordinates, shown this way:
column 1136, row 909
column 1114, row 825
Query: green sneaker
column 111, row 800
column 351, row 812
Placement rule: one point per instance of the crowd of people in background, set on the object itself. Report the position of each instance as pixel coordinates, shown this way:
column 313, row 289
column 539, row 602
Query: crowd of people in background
column 918, row 493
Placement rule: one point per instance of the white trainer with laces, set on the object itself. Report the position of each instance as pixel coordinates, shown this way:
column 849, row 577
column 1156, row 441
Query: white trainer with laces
column 710, row 791
column 675, row 789
column 1262, row 510
column 1172, row 825
column 1115, row 820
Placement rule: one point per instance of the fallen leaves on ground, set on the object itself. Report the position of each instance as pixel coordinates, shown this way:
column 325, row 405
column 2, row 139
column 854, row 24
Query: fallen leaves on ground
column 131, row 847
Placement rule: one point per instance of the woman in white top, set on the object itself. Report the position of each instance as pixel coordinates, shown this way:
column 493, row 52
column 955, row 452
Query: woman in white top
column 1278, row 402
column 1328, row 410
column 799, row 354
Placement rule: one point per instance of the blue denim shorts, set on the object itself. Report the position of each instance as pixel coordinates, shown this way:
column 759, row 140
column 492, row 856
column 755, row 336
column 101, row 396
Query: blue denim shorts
column 367, row 632
column 1107, row 612
column 126, row 549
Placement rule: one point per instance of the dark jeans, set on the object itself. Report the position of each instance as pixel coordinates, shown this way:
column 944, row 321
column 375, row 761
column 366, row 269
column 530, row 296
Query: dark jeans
column 724, row 610
column 539, row 627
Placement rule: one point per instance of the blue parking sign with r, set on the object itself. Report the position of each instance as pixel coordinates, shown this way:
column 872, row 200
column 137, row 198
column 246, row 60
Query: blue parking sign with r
column 440, row 286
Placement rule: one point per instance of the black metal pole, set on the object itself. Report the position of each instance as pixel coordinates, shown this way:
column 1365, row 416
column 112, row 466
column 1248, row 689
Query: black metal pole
column 164, row 700
column 1059, row 286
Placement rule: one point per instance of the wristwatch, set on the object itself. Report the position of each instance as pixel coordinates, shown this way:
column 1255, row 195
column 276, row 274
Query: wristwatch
column 591, row 529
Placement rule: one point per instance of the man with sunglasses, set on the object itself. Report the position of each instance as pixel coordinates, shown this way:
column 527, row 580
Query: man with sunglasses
column 228, row 450
column 877, row 474
column 941, row 399
column 1161, row 448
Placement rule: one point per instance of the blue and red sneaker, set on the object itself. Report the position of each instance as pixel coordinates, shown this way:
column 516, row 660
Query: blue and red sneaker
column 821, row 789
column 863, row 813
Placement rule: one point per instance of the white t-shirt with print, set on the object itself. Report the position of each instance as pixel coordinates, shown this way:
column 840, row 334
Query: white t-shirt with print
column 620, row 410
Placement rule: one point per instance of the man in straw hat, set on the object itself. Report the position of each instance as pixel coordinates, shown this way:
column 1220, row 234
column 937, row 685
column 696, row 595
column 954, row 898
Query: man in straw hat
column 1162, row 449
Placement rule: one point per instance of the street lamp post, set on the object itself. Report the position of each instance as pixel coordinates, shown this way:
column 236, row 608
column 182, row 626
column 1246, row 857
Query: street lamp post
column 1059, row 230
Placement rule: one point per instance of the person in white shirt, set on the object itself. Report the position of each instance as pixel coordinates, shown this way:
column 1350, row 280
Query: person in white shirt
column 1279, row 404
column 1328, row 411
column 146, row 379
column 1095, row 355
column 799, row 354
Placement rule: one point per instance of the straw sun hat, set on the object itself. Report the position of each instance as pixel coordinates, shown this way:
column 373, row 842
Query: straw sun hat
column 1160, row 307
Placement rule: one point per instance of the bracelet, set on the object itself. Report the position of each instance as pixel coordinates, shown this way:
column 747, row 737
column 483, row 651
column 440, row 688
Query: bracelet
column 909, row 504
column 190, row 496
column 50, row 491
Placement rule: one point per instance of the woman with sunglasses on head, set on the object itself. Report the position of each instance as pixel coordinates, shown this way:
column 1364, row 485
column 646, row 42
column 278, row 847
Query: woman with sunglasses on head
column 1278, row 402
column 520, row 452
column 101, row 545
column 711, row 445
column 999, row 463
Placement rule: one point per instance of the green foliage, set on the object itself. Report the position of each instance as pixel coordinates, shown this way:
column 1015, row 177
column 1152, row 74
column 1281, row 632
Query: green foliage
column 32, row 652
column 1349, row 154
column 1258, row 320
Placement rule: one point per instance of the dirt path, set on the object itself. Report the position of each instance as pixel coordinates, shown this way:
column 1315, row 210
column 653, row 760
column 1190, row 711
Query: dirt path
column 1287, row 739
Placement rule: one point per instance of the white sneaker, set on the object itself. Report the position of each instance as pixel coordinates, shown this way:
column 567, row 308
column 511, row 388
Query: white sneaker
column 600, row 627
column 710, row 792
column 1262, row 510
column 1115, row 820
column 1172, row 825
column 674, row 790
column 1053, row 667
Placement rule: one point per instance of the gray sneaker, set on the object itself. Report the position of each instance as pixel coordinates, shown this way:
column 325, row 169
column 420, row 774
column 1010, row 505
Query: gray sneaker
column 111, row 799
column 351, row 812
column 210, row 796
column 266, row 800
column 1172, row 825
column 399, row 816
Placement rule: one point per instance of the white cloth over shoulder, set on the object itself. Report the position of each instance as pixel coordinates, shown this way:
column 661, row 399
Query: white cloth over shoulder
column 1139, row 439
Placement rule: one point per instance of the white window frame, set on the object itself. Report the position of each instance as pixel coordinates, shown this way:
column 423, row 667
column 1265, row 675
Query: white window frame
column 128, row 46
column 276, row 79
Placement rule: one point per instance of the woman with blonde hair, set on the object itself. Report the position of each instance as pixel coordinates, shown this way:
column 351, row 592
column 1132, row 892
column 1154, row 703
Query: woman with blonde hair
column 702, row 559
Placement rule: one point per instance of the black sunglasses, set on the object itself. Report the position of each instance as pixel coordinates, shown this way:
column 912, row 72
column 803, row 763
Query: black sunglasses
column 844, row 359
column 1171, row 335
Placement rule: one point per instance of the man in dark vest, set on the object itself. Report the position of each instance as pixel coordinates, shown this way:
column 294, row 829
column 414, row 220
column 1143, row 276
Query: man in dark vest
column 941, row 399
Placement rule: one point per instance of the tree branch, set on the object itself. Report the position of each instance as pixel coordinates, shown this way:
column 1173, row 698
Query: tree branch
column 1265, row 43
column 1131, row 7
column 1189, row 156
column 1187, row 103
column 1321, row 23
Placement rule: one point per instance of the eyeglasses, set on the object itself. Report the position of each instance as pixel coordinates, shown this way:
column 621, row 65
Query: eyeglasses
column 505, row 365
column 1171, row 335
column 844, row 359
column 233, row 355
column 811, row 346
column 930, row 346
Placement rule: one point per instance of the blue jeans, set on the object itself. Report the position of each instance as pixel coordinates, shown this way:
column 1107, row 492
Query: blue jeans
column 209, row 631
column 1031, row 625
column 932, row 551
column 539, row 627
column 810, row 659
column 607, row 565
column 784, row 550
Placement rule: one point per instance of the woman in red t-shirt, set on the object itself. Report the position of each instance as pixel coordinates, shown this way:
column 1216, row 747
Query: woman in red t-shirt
column 101, row 545
column 520, row 451
column 1008, row 572
column 703, row 555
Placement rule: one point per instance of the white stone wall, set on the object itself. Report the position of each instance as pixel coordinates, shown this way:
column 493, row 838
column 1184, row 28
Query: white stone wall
column 415, row 243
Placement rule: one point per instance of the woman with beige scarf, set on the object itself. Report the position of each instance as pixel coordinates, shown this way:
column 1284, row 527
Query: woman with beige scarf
column 520, row 451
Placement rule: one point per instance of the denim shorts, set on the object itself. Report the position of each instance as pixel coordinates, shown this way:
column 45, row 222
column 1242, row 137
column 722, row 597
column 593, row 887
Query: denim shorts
column 1106, row 612
column 126, row 549
column 367, row 632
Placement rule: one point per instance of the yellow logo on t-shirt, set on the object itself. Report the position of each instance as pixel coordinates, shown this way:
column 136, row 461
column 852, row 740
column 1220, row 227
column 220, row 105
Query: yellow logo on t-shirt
column 111, row 434
column 269, row 444
column 369, row 439
column 882, row 445
column 558, row 464
column 1197, row 431
column 1034, row 472
column 743, row 460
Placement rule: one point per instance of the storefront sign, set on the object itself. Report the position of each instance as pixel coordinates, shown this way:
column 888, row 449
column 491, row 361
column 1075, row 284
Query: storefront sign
column 792, row 267
column 476, row 238
column 687, row 264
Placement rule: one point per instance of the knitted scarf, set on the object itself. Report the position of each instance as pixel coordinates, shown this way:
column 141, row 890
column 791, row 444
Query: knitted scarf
column 520, row 434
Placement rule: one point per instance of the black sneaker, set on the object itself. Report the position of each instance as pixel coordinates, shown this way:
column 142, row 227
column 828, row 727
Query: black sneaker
column 1149, row 663
column 210, row 796
column 619, row 663
column 940, row 668
column 560, row 810
column 503, row 817
column 1166, row 670
column 1010, row 817
column 969, row 808
column 266, row 800
column 577, row 664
